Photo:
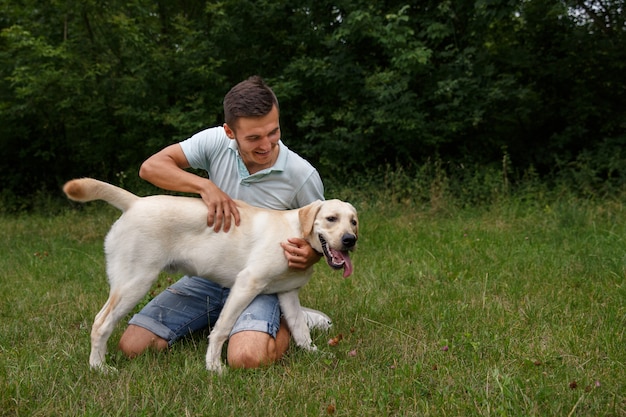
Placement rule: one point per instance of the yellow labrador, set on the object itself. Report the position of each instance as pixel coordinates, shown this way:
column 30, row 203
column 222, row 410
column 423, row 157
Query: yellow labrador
column 161, row 232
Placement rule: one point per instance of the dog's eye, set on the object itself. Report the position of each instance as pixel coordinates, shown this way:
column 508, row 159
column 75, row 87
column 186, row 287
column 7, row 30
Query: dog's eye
column 331, row 219
column 353, row 222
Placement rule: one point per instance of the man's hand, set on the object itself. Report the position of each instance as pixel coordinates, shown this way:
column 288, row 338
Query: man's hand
column 166, row 169
column 299, row 253
column 222, row 208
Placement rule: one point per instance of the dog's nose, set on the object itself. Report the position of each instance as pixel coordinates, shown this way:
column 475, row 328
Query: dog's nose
column 348, row 240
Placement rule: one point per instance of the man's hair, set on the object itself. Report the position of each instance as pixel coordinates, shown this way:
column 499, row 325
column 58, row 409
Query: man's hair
column 249, row 98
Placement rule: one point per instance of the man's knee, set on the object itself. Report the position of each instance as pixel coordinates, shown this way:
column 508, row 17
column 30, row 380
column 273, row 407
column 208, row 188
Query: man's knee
column 247, row 360
column 251, row 349
column 136, row 340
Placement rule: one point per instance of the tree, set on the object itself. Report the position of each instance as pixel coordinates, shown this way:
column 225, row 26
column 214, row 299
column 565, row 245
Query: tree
column 94, row 88
column 91, row 89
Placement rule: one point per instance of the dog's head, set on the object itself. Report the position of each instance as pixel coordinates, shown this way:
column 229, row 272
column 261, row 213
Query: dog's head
column 331, row 227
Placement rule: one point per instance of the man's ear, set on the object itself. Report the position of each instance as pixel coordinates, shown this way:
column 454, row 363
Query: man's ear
column 307, row 216
column 229, row 132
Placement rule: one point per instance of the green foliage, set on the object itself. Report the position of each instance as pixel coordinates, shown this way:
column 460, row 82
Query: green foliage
column 93, row 89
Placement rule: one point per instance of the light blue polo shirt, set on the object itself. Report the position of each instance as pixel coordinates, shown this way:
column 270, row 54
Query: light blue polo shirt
column 291, row 183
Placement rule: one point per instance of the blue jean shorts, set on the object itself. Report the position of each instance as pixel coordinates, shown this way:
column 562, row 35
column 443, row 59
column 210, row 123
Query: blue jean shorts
column 195, row 303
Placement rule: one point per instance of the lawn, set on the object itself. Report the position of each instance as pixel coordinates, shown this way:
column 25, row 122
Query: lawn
column 515, row 308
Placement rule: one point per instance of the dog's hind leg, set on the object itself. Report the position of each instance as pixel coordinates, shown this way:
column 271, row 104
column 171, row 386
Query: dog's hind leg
column 100, row 333
column 294, row 316
column 121, row 301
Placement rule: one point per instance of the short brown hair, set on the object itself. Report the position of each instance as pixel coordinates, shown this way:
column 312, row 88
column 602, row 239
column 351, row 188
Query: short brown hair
column 249, row 98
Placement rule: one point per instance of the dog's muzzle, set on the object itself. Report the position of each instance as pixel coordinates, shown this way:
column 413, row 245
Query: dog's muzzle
column 338, row 259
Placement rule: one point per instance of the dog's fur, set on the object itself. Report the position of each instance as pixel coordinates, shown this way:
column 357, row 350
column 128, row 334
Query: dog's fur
column 161, row 232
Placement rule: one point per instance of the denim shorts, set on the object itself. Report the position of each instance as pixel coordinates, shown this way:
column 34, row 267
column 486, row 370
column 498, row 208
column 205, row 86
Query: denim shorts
column 195, row 303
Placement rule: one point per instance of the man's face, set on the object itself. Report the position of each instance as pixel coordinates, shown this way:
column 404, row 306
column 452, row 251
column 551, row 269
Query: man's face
column 257, row 139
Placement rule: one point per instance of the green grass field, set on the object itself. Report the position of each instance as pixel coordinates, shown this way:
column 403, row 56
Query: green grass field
column 516, row 308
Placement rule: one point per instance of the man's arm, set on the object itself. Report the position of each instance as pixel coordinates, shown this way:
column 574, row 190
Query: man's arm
column 166, row 169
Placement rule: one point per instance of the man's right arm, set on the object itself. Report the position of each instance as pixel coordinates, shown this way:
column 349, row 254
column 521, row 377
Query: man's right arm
column 166, row 169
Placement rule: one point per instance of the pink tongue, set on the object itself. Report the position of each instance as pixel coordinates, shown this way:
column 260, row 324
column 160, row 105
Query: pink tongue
column 347, row 266
column 340, row 258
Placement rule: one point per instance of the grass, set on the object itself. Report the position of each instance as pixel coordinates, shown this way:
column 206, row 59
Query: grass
column 517, row 308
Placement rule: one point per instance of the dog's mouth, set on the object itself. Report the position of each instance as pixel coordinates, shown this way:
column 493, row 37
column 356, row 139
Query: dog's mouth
column 337, row 259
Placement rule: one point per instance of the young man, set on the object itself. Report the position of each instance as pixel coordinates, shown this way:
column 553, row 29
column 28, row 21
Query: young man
column 245, row 160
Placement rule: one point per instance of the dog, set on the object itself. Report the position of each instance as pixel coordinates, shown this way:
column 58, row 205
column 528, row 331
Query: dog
column 169, row 233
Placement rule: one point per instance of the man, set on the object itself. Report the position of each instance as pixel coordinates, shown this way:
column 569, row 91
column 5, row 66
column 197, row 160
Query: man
column 245, row 160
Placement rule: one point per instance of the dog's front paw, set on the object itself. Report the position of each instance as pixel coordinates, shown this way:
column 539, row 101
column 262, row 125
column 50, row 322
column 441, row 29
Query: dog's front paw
column 215, row 366
column 103, row 368
column 311, row 348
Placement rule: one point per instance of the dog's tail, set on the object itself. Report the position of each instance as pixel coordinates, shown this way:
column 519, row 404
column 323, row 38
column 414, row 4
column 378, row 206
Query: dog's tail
column 88, row 189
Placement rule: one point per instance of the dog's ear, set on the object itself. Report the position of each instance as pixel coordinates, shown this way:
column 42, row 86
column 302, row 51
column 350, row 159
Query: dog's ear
column 307, row 216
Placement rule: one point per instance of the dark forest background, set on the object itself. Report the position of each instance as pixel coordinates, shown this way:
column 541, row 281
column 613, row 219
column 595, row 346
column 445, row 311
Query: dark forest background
column 92, row 88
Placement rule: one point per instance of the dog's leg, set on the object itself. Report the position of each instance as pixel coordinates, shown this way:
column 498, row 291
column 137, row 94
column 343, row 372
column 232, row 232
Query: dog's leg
column 121, row 301
column 294, row 316
column 100, row 333
column 241, row 295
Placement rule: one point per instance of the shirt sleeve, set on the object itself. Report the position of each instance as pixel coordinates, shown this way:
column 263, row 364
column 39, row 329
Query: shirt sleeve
column 312, row 190
column 204, row 147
